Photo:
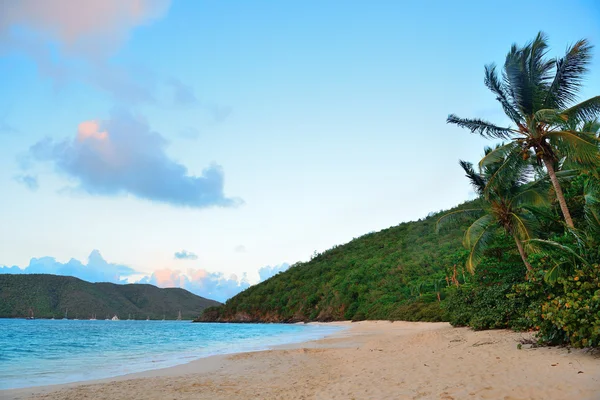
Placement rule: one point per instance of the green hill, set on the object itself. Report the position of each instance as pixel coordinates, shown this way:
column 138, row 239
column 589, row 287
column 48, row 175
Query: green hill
column 396, row 273
column 51, row 295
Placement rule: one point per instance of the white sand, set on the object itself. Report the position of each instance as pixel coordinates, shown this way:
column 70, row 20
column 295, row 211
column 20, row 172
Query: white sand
column 371, row 360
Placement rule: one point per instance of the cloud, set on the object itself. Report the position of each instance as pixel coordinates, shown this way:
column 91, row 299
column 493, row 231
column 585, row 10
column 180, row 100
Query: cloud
column 268, row 271
column 123, row 156
column 212, row 285
column 183, row 95
column 219, row 113
column 240, row 249
column 73, row 40
column 5, row 127
column 81, row 26
column 185, row 255
column 96, row 269
column 28, row 180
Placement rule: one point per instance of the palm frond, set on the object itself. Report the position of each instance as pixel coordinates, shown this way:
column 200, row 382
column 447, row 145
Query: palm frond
column 477, row 181
column 585, row 111
column 476, row 239
column 522, row 226
column 550, row 116
column 515, row 79
column 559, row 270
column 592, row 126
column 538, row 246
column 499, row 153
column 538, row 68
column 576, row 146
column 591, row 195
column 502, row 95
column 532, row 196
column 505, row 175
column 569, row 75
column 457, row 216
column 484, row 128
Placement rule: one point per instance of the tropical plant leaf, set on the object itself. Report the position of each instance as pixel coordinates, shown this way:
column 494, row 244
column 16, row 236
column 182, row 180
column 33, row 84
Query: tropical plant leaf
column 550, row 116
column 456, row 217
column 559, row 270
column 484, row 128
column 569, row 75
column 476, row 239
column 538, row 246
column 585, row 111
column 578, row 147
column 477, row 181
column 591, row 195
column 495, row 85
column 499, row 153
column 532, row 196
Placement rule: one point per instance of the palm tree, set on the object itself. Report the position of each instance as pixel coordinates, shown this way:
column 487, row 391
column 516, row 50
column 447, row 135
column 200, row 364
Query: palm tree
column 537, row 94
column 509, row 199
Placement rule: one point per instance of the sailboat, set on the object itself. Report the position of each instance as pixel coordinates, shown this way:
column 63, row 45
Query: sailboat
column 179, row 316
column 163, row 317
column 66, row 313
column 115, row 318
column 93, row 317
column 30, row 316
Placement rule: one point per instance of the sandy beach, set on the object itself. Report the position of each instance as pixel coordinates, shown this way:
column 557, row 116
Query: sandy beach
column 369, row 360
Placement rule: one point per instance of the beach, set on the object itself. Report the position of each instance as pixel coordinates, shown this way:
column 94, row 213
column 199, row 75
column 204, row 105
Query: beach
column 368, row 360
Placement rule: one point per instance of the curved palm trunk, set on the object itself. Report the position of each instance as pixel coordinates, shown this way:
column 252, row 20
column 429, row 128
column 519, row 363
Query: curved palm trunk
column 522, row 253
column 559, row 193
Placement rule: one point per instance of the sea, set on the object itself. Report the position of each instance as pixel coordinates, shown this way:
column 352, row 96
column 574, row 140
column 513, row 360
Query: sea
column 45, row 352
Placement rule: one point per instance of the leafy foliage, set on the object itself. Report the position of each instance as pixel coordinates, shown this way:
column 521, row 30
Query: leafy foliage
column 391, row 274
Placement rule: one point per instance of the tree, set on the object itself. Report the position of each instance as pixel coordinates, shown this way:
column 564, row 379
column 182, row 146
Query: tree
column 509, row 200
column 537, row 94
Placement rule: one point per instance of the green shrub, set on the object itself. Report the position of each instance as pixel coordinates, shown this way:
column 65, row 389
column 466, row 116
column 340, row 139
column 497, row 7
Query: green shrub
column 569, row 312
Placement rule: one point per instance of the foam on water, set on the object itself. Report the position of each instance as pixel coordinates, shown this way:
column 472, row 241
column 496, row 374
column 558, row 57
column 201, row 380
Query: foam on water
column 45, row 352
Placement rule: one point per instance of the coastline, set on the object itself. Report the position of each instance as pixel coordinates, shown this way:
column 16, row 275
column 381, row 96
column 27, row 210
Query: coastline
column 369, row 360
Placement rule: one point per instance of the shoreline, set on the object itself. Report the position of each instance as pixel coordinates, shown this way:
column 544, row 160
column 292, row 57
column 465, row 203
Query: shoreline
column 368, row 360
column 184, row 359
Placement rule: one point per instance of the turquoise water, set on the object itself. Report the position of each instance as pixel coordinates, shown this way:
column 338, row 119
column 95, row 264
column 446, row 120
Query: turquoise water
column 44, row 352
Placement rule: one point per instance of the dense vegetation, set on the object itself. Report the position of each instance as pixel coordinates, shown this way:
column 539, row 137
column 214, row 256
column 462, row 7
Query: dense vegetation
column 51, row 296
column 530, row 254
column 392, row 274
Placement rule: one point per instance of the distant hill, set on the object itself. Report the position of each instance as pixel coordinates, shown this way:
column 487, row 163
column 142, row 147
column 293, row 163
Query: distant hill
column 51, row 295
column 396, row 273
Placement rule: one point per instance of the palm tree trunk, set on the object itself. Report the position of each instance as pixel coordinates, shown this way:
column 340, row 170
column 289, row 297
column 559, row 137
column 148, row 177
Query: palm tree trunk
column 559, row 193
column 522, row 253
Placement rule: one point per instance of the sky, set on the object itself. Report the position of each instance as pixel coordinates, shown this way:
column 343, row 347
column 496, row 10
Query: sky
column 209, row 145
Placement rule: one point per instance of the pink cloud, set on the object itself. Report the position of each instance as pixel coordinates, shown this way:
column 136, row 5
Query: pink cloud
column 73, row 21
column 90, row 130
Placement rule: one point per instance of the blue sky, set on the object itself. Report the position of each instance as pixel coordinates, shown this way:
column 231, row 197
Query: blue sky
column 196, row 142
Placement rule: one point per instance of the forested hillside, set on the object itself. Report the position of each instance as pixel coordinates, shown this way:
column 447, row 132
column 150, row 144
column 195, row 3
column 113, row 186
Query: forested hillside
column 49, row 296
column 392, row 274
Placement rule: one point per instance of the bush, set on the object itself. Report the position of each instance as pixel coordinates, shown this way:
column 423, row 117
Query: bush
column 567, row 312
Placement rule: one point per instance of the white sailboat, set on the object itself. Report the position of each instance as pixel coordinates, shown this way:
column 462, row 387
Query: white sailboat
column 115, row 318
column 179, row 316
column 66, row 313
